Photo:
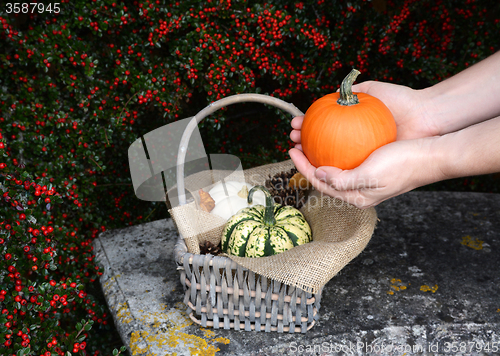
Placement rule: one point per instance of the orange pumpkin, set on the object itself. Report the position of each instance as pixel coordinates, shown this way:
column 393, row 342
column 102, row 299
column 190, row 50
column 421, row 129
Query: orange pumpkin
column 342, row 129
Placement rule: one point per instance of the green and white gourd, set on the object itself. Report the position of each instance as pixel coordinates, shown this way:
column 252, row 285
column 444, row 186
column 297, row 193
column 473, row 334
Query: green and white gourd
column 264, row 230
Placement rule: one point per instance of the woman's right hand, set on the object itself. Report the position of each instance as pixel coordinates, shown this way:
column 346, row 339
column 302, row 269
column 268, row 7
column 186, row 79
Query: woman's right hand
column 408, row 106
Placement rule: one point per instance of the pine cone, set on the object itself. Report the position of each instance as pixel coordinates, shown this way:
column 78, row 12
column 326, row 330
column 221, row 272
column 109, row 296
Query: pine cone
column 283, row 192
column 208, row 248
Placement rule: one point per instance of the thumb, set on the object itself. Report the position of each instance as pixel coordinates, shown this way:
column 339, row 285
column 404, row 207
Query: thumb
column 339, row 179
column 362, row 87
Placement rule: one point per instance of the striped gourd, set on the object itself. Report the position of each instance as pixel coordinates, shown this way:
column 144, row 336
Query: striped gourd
column 264, row 230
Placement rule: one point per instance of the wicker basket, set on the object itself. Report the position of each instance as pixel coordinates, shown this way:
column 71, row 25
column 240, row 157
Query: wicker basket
column 219, row 293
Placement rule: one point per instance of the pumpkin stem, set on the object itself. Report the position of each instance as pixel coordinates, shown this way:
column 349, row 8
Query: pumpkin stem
column 347, row 98
column 243, row 193
column 269, row 219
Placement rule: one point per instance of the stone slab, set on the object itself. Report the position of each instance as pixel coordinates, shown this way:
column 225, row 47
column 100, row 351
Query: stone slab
column 428, row 283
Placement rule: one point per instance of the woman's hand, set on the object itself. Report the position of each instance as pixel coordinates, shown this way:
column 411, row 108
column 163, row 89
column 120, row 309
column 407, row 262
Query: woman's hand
column 406, row 105
column 393, row 169
column 449, row 130
column 403, row 165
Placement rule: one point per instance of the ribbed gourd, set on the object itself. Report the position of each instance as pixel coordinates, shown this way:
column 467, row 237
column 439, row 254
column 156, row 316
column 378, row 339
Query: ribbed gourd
column 260, row 231
column 342, row 129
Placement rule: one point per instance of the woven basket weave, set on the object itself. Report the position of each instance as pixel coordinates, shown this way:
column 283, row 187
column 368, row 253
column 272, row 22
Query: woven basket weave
column 221, row 293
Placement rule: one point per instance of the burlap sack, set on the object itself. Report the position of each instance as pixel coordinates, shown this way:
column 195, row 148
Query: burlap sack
column 340, row 232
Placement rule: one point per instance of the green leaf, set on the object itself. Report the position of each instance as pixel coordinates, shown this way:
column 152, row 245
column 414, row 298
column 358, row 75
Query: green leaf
column 23, row 351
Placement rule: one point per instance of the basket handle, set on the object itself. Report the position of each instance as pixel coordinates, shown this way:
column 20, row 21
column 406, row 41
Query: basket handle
column 211, row 108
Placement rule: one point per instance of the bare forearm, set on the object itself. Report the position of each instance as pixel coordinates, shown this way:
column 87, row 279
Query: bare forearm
column 471, row 151
column 467, row 98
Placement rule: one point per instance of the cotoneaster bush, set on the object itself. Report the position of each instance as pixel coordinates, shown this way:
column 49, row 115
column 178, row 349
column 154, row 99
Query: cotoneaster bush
column 78, row 87
column 46, row 265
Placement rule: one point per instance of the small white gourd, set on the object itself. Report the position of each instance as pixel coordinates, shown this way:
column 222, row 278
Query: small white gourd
column 235, row 200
